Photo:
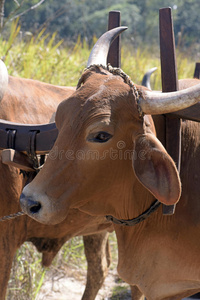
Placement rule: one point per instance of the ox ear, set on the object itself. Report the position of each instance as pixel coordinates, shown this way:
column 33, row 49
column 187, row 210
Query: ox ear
column 156, row 170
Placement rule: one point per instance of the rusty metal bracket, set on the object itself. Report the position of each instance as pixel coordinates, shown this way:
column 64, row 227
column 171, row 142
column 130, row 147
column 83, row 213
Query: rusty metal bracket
column 31, row 145
column 31, row 149
column 11, row 134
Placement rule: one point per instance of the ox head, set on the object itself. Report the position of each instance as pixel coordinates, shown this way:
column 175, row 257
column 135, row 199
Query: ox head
column 106, row 159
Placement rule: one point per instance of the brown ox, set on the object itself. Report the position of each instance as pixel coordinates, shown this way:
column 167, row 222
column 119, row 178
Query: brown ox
column 30, row 101
column 108, row 117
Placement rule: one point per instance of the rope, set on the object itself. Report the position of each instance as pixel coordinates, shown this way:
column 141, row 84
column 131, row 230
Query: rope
column 12, row 216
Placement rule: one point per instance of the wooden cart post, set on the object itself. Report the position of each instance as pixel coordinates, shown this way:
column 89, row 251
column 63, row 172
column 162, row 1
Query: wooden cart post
column 197, row 70
column 114, row 54
column 169, row 84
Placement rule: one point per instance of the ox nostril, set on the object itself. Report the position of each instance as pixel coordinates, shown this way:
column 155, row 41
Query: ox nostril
column 34, row 207
column 28, row 205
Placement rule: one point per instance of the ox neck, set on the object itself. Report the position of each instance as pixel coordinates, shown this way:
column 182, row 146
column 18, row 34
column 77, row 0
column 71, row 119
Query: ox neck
column 154, row 206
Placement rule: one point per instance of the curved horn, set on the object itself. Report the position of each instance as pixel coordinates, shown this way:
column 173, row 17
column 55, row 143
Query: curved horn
column 146, row 78
column 100, row 50
column 154, row 103
column 3, row 79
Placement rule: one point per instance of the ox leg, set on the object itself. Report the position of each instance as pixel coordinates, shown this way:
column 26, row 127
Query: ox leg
column 136, row 294
column 8, row 247
column 6, row 259
column 97, row 253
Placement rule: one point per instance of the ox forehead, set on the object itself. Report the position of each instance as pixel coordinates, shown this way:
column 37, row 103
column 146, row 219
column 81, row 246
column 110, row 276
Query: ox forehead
column 99, row 94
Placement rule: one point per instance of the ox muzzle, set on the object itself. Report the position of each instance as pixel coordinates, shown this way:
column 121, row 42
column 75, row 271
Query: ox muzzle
column 38, row 206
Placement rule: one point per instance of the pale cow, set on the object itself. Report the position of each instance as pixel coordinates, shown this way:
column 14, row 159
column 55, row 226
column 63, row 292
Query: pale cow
column 31, row 101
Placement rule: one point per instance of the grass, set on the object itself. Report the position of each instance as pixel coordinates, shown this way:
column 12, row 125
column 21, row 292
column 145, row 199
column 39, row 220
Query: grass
column 44, row 58
column 120, row 292
column 27, row 275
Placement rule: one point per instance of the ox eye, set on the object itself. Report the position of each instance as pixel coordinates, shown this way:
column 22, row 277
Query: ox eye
column 99, row 137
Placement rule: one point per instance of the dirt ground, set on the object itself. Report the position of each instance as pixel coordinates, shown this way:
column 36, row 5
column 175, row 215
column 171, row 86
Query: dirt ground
column 61, row 287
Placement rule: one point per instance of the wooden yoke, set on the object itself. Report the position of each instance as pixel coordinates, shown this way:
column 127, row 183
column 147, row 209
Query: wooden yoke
column 169, row 84
column 23, row 141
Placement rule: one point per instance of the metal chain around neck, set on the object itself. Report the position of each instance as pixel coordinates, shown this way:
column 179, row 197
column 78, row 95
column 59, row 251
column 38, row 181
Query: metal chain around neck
column 12, row 216
column 137, row 220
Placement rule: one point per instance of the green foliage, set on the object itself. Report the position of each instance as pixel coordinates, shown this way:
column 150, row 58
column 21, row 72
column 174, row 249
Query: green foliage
column 27, row 274
column 119, row 292
column 48, row 59
column 41, row 57
column 88, row 17
column 72, row 254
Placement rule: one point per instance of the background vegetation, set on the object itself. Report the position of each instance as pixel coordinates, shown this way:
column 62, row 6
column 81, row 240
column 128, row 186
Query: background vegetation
column 86, row 18
column 50, row 40
column 52, row 43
